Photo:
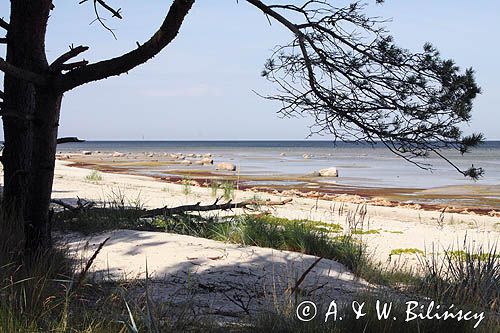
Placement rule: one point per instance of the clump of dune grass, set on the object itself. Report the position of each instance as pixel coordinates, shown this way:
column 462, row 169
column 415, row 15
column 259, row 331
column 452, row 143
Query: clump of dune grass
column 94, row 176
column 467, row 276
column 397, row 252
column 467, row 279
column 365, row 232
column 186, row 186
column 214, row 187
column 284, row 319
column 228, row 190
column 32, row 285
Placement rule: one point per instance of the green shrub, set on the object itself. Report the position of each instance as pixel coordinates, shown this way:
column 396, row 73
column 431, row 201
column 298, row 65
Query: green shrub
column 94, row 176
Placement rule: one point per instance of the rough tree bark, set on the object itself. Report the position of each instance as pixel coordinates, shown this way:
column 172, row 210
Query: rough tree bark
column 24, row 122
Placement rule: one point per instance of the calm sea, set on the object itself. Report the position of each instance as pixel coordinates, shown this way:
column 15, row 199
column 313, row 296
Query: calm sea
column 358, row 164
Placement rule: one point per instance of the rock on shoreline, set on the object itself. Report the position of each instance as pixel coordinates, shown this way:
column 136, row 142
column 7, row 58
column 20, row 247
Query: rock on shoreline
column 225, row 166
column 329, row 172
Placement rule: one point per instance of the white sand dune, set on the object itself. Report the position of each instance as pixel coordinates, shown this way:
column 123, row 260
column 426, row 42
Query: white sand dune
column 223, row 279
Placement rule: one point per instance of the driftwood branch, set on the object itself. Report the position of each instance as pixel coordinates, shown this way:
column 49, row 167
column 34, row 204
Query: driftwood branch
column 215, row 206
column 4, row 24
column 69, row 139
column 80, row 205
column 166, row 211
column 20, row 73
column 73, row 52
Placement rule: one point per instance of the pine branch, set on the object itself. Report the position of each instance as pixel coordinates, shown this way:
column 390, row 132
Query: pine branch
column 124, row 63
column 73, row 52
column 4, row 24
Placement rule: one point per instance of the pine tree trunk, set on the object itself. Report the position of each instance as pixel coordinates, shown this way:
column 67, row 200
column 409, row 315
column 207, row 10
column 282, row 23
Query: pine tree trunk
column 27, row 114
column 37, row 218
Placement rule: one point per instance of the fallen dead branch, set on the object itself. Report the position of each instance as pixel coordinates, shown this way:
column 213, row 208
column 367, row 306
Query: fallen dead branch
column 80, row 205
column 303, row 276
column 166, row 211
column 246, row 204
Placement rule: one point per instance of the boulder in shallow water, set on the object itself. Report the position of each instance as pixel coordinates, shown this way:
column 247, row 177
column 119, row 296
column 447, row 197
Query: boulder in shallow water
column 207, row 161
column 86, row 152
column 226, row 166
column 118, row 154
column 329, row 172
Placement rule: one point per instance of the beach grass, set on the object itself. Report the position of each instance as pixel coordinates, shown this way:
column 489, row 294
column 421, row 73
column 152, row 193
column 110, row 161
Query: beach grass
column 94, row 176
column 397, row 252
column 214, row 188
column 228, row 188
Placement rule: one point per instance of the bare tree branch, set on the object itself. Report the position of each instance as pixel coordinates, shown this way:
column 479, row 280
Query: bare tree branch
column 72, row 53
column 22, row 74
column 115, row 12
column 4, row 25
column 69, row 139
column 122, row 64
column 73, row 65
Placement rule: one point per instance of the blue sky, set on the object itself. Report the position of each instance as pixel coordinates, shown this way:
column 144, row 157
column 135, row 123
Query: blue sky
column 200, row 86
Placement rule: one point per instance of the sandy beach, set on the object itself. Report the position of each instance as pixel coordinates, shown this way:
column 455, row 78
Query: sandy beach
column 214, row 271
column 384, row 229
column 305, row 166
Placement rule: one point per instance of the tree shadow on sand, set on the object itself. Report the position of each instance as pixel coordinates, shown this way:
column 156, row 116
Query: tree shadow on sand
column 211, row 278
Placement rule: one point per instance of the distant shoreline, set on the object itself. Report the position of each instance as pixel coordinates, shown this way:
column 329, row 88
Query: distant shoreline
column 473, row 199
